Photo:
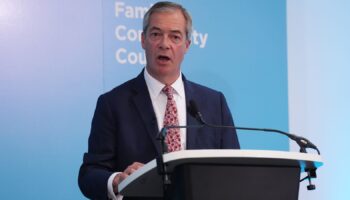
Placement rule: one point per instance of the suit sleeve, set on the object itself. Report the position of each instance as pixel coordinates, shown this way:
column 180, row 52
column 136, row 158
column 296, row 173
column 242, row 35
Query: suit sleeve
column 229, row 139
column 99, row 161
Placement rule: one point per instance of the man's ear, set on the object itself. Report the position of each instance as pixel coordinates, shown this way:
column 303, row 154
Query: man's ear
column 143, row 40
column 187, row 44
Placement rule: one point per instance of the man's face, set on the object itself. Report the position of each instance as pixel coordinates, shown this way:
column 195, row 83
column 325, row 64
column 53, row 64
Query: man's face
column 165, row 44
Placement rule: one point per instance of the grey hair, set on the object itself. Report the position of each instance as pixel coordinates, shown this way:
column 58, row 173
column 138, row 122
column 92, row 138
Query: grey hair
column 166, row 6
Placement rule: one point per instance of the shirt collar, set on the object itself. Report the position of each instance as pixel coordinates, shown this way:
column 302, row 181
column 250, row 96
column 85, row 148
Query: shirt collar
column 155, row 87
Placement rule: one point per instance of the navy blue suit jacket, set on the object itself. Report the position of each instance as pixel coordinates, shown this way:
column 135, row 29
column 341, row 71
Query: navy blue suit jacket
column 124, row 130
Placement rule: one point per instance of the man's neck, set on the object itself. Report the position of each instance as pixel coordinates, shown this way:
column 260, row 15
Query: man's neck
column 166, row 79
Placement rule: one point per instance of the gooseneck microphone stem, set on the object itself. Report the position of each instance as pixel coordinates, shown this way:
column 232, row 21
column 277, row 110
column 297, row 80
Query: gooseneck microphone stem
column 301, row 141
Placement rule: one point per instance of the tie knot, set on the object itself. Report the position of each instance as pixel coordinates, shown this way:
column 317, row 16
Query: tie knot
column 168, row 90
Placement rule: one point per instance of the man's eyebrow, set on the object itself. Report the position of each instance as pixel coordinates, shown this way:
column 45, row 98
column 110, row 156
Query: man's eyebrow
column 155, row 28
column 176, row 31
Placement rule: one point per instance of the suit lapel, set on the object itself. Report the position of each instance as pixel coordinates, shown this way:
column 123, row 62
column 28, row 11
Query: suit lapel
column 143, row 104
column 190, row 95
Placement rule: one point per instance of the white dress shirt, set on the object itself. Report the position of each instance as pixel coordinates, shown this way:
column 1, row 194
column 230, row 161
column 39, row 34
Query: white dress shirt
column 159, row 100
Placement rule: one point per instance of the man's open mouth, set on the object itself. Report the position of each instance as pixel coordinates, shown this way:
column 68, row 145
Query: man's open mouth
column 163, row 58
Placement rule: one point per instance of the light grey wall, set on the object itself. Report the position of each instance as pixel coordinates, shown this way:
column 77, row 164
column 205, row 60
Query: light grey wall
column 319, row 88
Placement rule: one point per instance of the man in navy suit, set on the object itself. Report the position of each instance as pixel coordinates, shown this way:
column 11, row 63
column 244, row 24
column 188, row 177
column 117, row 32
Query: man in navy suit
column 128, row 118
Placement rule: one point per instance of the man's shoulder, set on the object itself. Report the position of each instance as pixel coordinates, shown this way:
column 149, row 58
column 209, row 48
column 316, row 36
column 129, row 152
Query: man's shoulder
column 199, row 88
column 127, row 88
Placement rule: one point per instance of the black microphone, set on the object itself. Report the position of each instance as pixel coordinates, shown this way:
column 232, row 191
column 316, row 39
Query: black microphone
column 302, row 142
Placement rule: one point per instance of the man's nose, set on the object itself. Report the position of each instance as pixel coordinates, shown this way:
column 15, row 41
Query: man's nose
column 164, row 43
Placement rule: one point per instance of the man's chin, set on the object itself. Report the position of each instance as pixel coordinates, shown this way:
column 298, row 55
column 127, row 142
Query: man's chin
column 164, row 62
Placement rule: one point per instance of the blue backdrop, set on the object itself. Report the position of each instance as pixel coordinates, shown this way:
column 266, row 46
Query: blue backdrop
column 57, row 56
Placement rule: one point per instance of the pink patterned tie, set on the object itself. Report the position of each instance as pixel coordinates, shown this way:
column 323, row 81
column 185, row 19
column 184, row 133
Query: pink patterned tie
column 170, row 119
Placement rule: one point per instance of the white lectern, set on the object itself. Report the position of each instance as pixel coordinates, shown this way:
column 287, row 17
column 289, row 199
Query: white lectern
column 224, row 174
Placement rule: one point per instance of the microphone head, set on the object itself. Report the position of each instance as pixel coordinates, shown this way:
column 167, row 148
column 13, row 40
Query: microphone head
column 193, row 109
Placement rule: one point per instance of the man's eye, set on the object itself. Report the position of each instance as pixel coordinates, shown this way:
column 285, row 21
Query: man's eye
column 155, row 34
column 176, row 38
